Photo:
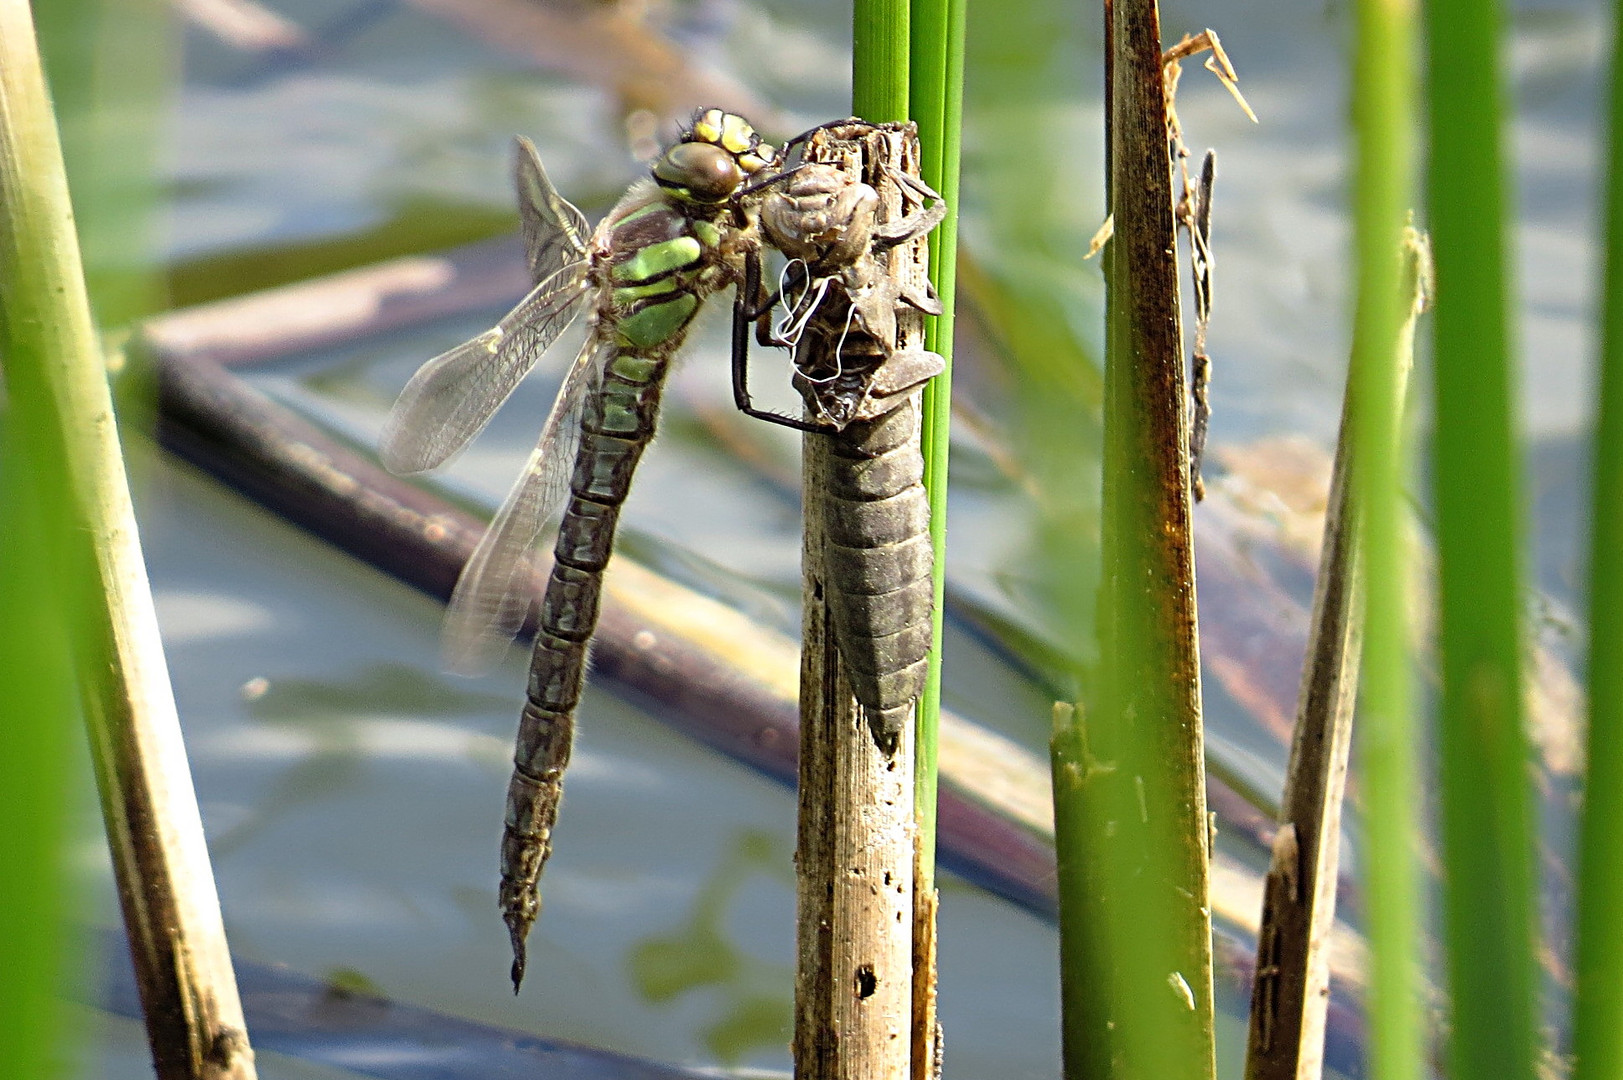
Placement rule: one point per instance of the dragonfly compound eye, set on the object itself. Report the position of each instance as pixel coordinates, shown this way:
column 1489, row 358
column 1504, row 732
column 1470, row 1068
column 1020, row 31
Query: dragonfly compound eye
column 700, row 172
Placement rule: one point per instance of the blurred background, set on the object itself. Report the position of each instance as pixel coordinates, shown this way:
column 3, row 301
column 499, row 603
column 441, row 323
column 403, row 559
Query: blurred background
column 352, row 792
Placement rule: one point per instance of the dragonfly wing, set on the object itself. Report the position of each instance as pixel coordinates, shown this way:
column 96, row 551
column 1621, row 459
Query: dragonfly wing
column 494, row 593
column 555, row 232
column 454, row 395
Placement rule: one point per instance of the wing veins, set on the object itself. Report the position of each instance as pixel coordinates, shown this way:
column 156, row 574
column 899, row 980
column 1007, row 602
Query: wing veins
column 555, row 231
column 495, row 591
column 453, row 396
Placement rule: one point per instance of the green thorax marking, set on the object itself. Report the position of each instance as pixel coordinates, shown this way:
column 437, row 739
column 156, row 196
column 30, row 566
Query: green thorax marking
column 658, row 254
column 656, row 323
column 626, row 295
column 658, row 260
column 708, row 232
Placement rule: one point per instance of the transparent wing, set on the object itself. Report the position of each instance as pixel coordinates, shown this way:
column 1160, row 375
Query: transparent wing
column 493, row 594
column 555, row 233
column 454, row 395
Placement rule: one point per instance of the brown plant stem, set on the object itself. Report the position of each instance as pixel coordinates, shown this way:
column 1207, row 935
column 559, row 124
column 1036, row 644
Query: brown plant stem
column 1291, row 993
column 858, row 1013
column 1129, row 783
column 59, row 402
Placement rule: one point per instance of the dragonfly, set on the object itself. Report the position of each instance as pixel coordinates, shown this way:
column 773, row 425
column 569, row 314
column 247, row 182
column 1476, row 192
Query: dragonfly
column 678, row 236
column 862, row 392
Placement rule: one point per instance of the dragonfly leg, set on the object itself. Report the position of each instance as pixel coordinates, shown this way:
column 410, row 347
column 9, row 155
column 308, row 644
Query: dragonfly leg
column 763, row 182
column 916, row 223
column 742, row 317
column 760, row 305
column 805, row 136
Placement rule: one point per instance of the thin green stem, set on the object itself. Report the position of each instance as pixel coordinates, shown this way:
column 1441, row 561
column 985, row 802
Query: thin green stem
column 1597, row 1034
column 936, row 92
column 1487, row 826
column 879, row 60
column 1383, row 107
column 36, row 775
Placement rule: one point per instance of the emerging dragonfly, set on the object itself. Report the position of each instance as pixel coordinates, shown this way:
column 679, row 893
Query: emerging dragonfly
column 862, row 390
column 693, row 228
column 672, row 241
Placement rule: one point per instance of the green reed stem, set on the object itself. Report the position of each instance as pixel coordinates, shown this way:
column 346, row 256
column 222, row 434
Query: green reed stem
column 36, row 778
column 1383, row 111
column 1131, row 832
column 111, row 65
column 879, row 60
column 1597, row 1038
column 99, row 53
column 36, row 682
column 1487, row 826
column 60, row 410
column 936, row 92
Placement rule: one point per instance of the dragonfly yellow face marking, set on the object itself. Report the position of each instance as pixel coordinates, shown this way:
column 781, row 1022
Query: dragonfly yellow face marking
column 737, row 135
column 707, row 125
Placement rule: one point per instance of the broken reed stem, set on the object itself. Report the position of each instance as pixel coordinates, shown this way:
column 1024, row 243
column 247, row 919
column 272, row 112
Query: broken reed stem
column 854, row 856
column 62, row 411
column 1130, row 798
column 859, row 1015
column 1291, row 991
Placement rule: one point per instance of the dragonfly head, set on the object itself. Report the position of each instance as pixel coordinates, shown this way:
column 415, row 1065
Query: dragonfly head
column 712, row 159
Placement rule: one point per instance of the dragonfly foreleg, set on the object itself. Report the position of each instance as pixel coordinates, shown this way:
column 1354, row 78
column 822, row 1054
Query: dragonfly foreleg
column 800, row 141
column 745, row 313
column 919, row 221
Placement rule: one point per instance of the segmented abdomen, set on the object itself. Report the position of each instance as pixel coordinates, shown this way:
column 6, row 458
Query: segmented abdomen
column 617, row 426
column 878, row 561
column 654, row 281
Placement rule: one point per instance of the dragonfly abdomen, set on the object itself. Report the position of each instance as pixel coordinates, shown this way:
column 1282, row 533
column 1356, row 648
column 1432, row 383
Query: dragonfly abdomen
column 533, row 794
column 617, row 424
column 879, row 561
